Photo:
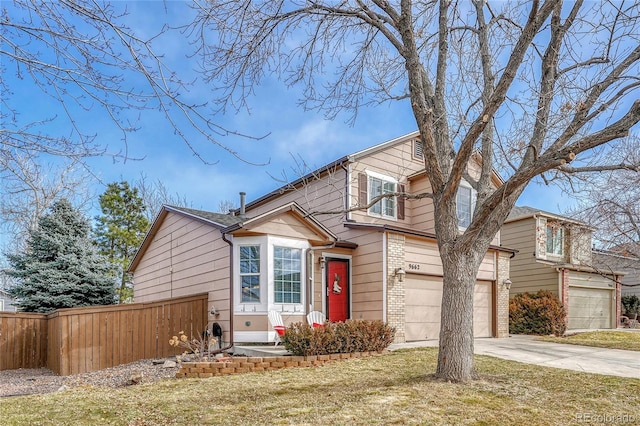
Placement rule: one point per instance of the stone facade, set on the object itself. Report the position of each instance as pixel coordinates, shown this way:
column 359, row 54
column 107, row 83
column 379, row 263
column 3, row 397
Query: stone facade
column 395, row 285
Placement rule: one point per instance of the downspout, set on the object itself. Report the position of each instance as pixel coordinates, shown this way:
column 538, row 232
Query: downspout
column 384, row 277
column 230, row 345
column 309, row 285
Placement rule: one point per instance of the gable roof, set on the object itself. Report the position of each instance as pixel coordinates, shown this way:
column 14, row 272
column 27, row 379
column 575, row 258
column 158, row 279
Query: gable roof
column 217, row 220
column 316, row 174
column 227, row 223
column 220, row 220
column 292, row 207
column 526, row 212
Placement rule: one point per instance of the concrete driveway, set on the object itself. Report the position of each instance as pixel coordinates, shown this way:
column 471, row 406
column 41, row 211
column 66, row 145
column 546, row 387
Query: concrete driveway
column 613, row 362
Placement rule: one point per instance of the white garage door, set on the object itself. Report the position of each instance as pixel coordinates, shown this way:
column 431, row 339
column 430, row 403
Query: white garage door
column 590, row 301
column 589, row 308
column 423, row 296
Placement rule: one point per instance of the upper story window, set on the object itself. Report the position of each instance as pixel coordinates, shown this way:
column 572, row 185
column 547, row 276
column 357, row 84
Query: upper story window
column 387, row 206
column 465, row 205
column 376, row 185
column 250, row 273
column 555, row 237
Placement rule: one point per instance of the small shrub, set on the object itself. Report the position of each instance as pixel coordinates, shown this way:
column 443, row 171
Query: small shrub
column 338, row 337
column 196, row 349
column 630, row 304
column 539, row 313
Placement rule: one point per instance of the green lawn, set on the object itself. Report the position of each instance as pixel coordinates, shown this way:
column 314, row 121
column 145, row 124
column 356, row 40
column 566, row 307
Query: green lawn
column 396, row 388
column 626, row 340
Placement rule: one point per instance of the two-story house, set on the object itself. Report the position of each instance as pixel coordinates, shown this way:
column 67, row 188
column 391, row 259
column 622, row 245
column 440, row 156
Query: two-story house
column 554, row 254
column 302, row 248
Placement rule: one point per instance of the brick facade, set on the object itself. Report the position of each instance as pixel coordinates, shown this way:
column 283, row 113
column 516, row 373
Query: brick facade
column 618, row 300
column 238, row 365
column 502, row 295
column 564, row 296
column 395, row 287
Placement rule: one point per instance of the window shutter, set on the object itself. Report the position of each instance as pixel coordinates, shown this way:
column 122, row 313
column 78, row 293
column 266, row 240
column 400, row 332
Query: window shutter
column 401, row 201
column 363, row 199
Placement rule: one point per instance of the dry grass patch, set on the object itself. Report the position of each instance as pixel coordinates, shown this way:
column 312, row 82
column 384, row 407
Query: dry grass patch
column 627, row 340
column 397, row 388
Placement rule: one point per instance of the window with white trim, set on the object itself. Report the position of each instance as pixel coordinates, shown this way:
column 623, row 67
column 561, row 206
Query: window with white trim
column 287, row 275
column 250, row 273
column 465, row 205
column 380, row 185
column 268, row 274
column 555, row 237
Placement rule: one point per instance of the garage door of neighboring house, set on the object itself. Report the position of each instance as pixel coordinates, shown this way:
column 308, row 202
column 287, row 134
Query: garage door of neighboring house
column 423, row 296
column 591, row 299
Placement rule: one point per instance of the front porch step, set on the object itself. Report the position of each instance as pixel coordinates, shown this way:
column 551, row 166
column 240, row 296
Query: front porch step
column 260, row 351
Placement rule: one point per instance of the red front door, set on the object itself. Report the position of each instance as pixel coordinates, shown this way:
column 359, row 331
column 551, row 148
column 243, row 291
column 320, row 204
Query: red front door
column 338, row 289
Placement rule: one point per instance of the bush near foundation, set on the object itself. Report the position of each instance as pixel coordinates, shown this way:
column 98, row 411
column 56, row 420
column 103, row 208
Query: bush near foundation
column 539, row 313
column 338, row 337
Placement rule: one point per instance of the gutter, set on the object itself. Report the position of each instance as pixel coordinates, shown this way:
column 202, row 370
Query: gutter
column 413, row 232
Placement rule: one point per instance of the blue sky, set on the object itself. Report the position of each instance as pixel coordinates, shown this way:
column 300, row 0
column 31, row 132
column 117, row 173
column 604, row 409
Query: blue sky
column 293, row 134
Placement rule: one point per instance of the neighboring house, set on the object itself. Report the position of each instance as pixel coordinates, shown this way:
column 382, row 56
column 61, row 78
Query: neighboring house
column 6, row 302
column 623, row 261
column 554, row 253
column 380, row 263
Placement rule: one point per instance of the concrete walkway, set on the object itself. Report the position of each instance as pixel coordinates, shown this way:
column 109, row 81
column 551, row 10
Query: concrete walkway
column 613, row 362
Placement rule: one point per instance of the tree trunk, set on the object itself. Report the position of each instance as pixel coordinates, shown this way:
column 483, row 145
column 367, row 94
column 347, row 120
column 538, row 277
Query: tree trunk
column 455, row 358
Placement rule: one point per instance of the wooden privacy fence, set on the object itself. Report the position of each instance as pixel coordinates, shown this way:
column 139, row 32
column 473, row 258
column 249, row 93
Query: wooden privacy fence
column 79, row 340
column 23, row 340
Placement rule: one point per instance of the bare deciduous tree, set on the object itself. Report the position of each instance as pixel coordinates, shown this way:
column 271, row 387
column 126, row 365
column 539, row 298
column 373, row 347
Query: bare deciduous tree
column 83, row 57
column 155, row 194
column 610, row 203
column 30, row 188
column 535, row 86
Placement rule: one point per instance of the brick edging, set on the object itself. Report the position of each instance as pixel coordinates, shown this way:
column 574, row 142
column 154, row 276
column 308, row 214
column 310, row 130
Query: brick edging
column 238, row 365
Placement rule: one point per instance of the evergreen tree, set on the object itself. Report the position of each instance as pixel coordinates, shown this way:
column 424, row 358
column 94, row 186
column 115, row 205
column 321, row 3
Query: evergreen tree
column 60, row 267
column 120, row 230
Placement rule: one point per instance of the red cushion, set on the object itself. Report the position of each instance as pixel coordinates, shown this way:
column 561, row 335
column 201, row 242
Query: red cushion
column 317, row 324
column 279, row 329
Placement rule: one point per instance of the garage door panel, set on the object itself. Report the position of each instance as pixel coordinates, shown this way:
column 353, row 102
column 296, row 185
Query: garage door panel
column 423, row 296
column 426, row 314
column 589, row 308
column 422, row 331
column 482, row 309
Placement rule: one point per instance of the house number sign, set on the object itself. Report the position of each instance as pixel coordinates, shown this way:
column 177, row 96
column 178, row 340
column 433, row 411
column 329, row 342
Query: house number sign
column 418, row 268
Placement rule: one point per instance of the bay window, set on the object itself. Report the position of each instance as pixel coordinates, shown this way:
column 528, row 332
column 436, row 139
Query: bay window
column 269, row 274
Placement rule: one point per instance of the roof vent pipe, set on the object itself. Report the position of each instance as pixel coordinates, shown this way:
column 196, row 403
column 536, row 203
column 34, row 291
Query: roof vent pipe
column 242, row 205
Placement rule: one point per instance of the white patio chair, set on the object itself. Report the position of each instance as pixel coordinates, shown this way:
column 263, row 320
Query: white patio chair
column 316, row 319
column 278, row 325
